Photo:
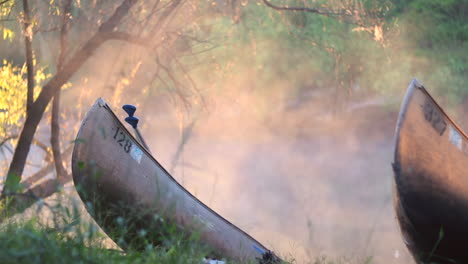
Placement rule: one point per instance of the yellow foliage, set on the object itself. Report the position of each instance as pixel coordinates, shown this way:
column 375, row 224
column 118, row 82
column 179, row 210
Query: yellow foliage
column 8, row 34
column 13, row 93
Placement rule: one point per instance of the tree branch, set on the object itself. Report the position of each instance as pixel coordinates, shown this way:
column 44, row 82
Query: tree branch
column 53, row 85
column 127, row 37
column 7, row 138
column 36, row 142
column 28, row 35
column 43, row 190
column 4, row 2
column 45, row 170
column 55, row 122
column 303, row 9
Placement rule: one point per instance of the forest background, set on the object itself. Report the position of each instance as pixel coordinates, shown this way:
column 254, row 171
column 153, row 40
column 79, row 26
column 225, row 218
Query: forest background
column 293, row 99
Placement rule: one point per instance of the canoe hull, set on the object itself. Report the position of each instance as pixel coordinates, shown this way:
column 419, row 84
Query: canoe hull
column 112, row 170
column 431, row 180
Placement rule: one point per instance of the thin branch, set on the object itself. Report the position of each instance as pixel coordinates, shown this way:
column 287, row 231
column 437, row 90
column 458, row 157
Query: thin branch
column 46, row 30
column 184, row 138
column 188, row 77
column 176, row 83
column 4, row 2
column 55, row 122
column 189, row 37
column 64, row 33
column 200, row 51
column 153, row 11
column 11, row 10
column 165, row 84
column 43, row 190
column 28, row 36
column 303, row 9
column 163, row 19
column 6, row 139
column 9, row 149
column 36, row 142
column 127, row 37
column 43, row 146
column 45, row 170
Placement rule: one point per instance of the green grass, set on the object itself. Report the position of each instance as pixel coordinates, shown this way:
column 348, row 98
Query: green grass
column 29, row 243
column 64, row 233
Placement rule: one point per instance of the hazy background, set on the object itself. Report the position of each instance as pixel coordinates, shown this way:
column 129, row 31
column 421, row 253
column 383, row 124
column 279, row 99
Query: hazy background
column 283, row 121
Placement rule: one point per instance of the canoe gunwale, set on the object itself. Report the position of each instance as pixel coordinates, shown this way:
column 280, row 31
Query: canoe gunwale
column 409, row 94
column 427, row 197
column 102, row 103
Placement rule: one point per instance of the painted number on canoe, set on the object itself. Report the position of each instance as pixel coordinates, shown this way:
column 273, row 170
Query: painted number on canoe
column 434, row 117
column 123, row 140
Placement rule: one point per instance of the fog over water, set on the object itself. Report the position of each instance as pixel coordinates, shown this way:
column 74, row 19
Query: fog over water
column 304, row 185
column 297, row 174
column 303, row 180
column 283, row 123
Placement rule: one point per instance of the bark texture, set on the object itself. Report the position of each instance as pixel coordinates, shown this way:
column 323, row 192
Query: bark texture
column 16, row 168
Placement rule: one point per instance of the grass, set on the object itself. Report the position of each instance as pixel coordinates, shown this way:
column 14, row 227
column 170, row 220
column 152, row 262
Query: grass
column 64, row 233
column 29, row 243
column 61, row 234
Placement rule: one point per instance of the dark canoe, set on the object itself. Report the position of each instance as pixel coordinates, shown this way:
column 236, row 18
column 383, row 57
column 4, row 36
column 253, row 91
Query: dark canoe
column 112, row 170
column 431, row 180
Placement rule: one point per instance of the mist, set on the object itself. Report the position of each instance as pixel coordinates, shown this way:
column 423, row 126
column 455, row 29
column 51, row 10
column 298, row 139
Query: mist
column 283, row 124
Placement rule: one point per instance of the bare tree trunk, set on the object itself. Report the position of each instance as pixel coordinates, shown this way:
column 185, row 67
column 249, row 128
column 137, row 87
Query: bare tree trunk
column 55, row 123
column 28, row 35
column 55, row 136
column 16, row 168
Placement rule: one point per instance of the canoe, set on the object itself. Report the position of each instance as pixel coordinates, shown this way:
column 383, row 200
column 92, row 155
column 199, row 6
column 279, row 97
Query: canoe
column 117, row 178
column 431, row 180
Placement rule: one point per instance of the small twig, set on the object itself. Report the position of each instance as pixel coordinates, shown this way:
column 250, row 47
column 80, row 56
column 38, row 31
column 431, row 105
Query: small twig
column 7, row 138
column 175, row 81
column 28, row 182
column 116, row 35
column 215, row 183
column 187, row 76
column 4, row 1
column 28, row 37
column 186, row 134
column 303, row 9
column 193, row 38
column 47, row 30
column 55, row 122
column 200, row 51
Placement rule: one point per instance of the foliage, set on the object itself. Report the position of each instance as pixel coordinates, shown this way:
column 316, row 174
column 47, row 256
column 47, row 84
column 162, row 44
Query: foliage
column 13, row 91
column 64, row 236
column 5, row 14
column 438, row 30
column 58, row 231
column 287, row 54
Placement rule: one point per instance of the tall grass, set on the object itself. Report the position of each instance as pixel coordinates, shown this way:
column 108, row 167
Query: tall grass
column 60, row 231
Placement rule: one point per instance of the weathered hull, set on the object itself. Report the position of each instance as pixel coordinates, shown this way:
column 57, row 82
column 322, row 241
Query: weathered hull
column 111, row 169
column 431, row 180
